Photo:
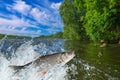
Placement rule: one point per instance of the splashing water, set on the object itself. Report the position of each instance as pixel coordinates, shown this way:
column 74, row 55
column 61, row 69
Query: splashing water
column 25, row 53
column 32, row 73
column 6, row 73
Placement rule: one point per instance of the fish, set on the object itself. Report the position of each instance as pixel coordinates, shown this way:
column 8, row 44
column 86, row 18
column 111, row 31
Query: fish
column 48, row 61
column 21, row 62
column 43, row 67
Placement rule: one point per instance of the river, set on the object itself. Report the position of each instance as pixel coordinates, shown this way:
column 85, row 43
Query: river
column 94, row 63
column 90, row 63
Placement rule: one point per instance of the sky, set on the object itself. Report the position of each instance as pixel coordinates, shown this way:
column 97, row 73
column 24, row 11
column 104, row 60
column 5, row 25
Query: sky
column 30, row 17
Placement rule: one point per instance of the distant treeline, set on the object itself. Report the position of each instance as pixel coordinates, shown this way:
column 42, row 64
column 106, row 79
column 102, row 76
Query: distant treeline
column 13, row 36
column 56, row 35
column 91, row 19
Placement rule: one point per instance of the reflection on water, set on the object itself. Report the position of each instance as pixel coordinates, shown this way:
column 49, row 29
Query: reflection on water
column 93, row 63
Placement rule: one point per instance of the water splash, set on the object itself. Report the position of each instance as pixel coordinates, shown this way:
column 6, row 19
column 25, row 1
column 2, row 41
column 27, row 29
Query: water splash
column 25, row 53
column 2, row 42
column 32, row 73
column 6, row 73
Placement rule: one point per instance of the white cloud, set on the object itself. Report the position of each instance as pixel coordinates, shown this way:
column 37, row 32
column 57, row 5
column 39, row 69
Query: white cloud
column 19, row 32
column 52, row 30
column 47, row 15
column 40, row 16
column 21, row 7
column 55, row 5
column 23, row 29
column 39, row 31
column 15, row 22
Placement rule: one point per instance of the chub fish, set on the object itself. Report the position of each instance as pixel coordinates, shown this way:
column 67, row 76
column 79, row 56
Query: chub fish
column 50, row 60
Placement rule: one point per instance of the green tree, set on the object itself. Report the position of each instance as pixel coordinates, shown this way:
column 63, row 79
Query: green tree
column 72, row 25
column 102, row 18
column 95, row 18
column 98, row 19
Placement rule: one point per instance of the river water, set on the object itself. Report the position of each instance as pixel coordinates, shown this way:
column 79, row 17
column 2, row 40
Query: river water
column 94, row 63
column 90, row 63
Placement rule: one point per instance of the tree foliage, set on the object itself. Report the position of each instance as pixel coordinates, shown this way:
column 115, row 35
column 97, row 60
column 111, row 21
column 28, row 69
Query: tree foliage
column 13, row 36
column 58, row 35
column 72, row 24
column 99, row 19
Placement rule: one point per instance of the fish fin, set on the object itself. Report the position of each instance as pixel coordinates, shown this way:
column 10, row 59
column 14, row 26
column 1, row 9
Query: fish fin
column 19, row 66
column 44, row 72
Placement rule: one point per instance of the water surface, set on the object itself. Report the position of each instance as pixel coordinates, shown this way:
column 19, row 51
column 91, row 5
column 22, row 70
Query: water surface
column 90, row 63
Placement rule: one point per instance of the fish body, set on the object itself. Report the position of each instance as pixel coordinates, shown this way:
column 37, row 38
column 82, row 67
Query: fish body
column 43, row 66
column 52, row 59
column 57, row 58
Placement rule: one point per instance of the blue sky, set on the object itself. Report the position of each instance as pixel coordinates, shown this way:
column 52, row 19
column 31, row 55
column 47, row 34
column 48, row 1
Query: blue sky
column 30, row 17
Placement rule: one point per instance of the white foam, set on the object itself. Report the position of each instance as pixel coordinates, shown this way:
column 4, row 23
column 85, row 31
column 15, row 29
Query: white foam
column 24, row 54
column 6, row 73
column 31, row 72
